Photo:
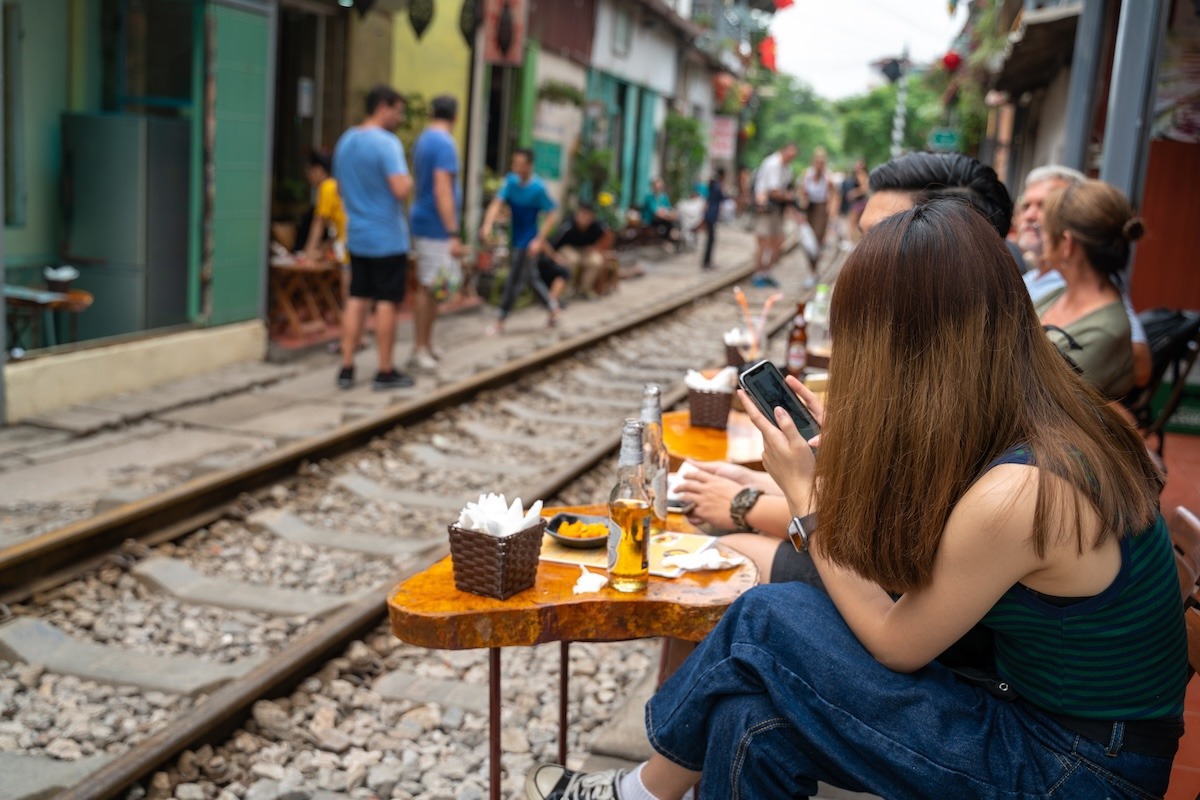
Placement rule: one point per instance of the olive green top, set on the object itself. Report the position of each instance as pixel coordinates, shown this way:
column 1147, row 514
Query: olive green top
column 1107, row 356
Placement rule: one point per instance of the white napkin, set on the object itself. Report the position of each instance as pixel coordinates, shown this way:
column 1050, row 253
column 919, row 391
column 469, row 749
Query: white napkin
column 589, row 582
column 491, row 514
column 704, row 560
column 64, row 273
column 676, row 478
column 724, row 381
column 738, row 337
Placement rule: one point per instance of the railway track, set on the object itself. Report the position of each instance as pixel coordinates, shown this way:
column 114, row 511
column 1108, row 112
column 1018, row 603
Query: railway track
column 239, row 586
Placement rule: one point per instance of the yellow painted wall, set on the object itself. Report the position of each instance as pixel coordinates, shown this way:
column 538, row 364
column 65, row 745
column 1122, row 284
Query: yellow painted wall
column 440, row 63
column 368, row 60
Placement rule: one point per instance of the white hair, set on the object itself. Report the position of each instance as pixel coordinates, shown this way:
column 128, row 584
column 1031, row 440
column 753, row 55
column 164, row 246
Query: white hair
column 1054, row 172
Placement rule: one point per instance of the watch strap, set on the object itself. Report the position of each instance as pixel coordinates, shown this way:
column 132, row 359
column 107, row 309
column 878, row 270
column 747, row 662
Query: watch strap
column 800, row 531
column 740, row 506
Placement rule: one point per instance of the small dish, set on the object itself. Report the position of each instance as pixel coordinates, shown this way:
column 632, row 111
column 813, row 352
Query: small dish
column 575, row 542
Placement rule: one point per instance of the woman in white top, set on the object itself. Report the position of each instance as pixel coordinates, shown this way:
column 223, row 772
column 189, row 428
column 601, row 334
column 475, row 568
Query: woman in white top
column 819, row 191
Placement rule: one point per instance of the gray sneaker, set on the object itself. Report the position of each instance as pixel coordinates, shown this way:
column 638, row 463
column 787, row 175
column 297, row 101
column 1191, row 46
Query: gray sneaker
column 391, row 380
column 555, row 782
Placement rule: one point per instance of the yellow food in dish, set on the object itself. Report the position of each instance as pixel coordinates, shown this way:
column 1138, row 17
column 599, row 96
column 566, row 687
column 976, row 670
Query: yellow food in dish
column 583, row 530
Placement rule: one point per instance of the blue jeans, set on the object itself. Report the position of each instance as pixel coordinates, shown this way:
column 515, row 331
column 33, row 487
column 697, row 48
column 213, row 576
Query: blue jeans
column 781, row 695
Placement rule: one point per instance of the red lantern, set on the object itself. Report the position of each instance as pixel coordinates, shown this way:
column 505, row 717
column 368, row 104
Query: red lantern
column 766, row 53
column 722, row 83
column 780, row 5
column 952, row 61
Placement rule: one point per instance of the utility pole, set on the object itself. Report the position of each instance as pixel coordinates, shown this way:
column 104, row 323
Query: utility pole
column 896, row 71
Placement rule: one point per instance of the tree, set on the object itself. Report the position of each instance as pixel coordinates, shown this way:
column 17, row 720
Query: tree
column 684, row 155
column 866, row 120
column 791, row 111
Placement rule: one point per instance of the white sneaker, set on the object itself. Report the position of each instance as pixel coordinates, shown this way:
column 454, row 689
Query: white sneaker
column 422, row 359
column 554, row 782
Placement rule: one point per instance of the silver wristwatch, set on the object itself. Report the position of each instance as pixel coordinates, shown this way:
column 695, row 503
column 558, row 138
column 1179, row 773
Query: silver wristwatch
column 740, row 506
column 800, row 529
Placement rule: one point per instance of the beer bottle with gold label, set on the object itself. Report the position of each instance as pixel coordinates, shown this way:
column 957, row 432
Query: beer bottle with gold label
column 629, row 507
column 797, row 345
column 658, row 462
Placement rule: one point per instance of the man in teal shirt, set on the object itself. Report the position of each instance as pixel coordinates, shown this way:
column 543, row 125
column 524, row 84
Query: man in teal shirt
column 526, row 197
column 658, row 213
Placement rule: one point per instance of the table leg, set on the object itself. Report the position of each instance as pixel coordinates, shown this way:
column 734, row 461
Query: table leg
column 494, row 723
column 564, row 666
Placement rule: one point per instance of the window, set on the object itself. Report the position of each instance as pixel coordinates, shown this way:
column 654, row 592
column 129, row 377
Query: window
column 148, row 55
column 14, row 134
column 622, row 32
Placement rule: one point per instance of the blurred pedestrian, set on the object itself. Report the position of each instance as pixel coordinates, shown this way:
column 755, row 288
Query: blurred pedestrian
column 819, row 193
column 578, row 247
column 328, row 219
column 527, row 198
column 435, row 224
column 772, row 195
column 712, row 214
column 373, row 181
column 659, row 213
column 853, row 200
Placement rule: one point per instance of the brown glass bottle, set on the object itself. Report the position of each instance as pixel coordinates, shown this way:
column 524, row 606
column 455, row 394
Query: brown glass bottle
column 797, row 344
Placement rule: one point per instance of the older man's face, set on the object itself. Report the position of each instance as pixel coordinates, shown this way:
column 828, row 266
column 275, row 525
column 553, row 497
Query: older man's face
column 1029, row 215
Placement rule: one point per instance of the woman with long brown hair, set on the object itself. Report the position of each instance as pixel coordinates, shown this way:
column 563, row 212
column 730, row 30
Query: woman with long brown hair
column 1088, row 228
column 966, row 475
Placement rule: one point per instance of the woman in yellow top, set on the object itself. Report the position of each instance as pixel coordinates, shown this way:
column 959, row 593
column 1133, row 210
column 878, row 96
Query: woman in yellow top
column 1088, row 229
column 328, row 212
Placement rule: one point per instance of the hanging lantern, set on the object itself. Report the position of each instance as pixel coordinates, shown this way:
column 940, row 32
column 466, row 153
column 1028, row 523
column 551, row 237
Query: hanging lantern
column 766, row 53
column 780, row 5
column 363, row 6
column 468, row 20
column 504, row 29
column 722, row 83
column 420, row 14
column 952, row 61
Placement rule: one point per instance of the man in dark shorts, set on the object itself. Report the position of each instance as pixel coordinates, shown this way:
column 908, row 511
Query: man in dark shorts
column 373, row 180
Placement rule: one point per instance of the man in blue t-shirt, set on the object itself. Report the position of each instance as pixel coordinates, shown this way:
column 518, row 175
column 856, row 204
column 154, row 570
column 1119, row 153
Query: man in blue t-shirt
column 526, row 197
column 435, row 224
column 373, row 180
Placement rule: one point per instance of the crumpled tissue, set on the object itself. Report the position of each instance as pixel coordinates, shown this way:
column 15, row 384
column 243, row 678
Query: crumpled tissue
column 589, row 582
column 676, row 478
column 724, row 381
column 704, row 560
column 739, row 337
column 491, row 514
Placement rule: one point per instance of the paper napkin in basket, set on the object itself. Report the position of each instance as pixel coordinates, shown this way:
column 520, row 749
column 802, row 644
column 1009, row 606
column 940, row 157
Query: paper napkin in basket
column 724, row 381
column 492, row 514
column 704, row 560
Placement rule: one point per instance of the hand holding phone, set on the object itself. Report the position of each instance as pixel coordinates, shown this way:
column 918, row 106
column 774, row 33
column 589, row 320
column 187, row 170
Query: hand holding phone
column 764, row 383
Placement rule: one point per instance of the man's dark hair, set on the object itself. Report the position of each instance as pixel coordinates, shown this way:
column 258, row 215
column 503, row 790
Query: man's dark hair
column 320, row 158
column 382, row 96
column 444, row 107
column 932, row 175
column 584, row 205
column 524, row 151
column 720, row 173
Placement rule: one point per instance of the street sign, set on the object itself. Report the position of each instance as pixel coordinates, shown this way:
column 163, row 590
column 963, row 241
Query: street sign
column 722, row 137
column 945, row 140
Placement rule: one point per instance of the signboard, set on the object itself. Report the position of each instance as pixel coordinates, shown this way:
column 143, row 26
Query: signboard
column 945, row 140
column 722, row 138
column 504, row 27
column 547, row 159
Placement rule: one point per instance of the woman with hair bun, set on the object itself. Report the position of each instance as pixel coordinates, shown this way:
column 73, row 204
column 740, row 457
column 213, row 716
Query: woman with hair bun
column 1088, row 229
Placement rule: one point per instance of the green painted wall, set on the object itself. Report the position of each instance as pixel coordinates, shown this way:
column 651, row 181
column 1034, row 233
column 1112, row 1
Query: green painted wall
column 240, row 164
column 46, row 83
column 438, row 63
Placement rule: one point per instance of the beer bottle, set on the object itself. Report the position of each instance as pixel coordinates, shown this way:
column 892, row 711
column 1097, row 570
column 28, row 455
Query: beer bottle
column 657, row 462
column 629, row 507
column 797, row 345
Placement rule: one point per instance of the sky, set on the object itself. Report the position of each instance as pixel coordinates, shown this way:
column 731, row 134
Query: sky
column 830, row 44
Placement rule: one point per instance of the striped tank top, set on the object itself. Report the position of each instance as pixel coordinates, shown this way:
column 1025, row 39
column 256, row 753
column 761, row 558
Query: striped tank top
column 1119, row 655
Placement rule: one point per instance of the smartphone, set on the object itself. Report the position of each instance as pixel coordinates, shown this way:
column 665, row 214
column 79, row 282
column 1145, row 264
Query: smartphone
column 764, row 383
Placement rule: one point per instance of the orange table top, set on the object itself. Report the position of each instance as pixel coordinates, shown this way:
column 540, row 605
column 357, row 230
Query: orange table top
column 740, row 443
column 428, row 610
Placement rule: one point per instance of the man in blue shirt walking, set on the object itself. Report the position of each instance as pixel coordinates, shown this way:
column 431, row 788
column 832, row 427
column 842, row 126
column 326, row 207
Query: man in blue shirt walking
column 435, row 224
column 526, row 197
column 373, row 180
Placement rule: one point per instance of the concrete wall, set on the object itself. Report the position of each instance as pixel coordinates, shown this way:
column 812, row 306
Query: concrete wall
column 41, row 385
column 45, row 68
column 438, row 63
column 558, row 124
column 652, row 60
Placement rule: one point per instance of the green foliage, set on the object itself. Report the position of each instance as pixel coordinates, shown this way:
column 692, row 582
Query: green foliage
column 416, row 117
column 867, row 120
column 791, row 111
column 593, row 179
column 683, row 156
column 561, row 92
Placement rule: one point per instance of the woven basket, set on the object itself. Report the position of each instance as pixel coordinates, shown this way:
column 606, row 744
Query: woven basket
column 709, row 409
column 733, row 357
column 495, row 566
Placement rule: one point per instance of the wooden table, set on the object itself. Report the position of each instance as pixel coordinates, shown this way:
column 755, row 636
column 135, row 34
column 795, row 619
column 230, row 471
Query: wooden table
column 740, row 443
column 305, row 297
column 27, row 306
column 427, row 610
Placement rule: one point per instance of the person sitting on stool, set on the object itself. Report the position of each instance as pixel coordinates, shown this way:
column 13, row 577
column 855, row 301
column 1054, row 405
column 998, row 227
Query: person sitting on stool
column 657, row 212
column 578, row 246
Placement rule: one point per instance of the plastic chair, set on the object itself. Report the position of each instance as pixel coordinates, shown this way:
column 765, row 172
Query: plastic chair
column 1174, row 340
